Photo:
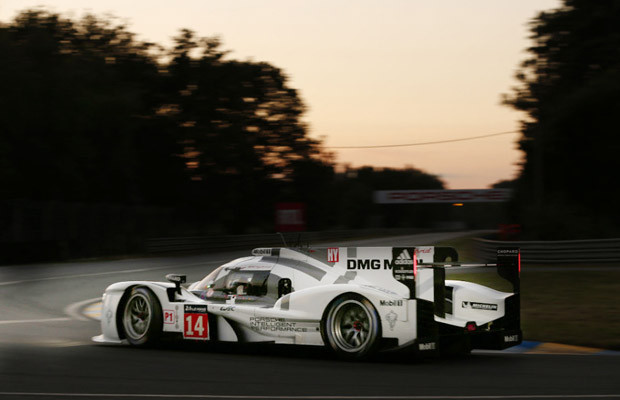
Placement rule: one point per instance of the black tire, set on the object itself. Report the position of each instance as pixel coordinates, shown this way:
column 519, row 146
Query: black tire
column 351, row 327
column 142, row 317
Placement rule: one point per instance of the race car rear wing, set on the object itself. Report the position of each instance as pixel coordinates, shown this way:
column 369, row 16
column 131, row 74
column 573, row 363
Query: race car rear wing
column 508, row 266
column 436, row 322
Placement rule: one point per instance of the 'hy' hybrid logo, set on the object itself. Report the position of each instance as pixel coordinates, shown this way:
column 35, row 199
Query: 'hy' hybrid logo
column 333, row 254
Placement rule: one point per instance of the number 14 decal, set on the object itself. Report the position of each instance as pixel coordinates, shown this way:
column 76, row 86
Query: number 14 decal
column 196, row 326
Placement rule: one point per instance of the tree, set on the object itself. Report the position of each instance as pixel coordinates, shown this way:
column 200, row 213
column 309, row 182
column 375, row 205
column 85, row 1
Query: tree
column 240, row 125
column 76, row 114
column 106, row 139
column 570, row 91
column 90, row 114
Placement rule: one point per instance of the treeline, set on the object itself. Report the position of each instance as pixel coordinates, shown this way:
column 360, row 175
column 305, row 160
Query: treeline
column 92, row 117
column 570, row 91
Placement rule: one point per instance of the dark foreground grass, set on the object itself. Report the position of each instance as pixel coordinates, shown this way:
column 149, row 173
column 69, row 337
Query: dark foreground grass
column 572, row 306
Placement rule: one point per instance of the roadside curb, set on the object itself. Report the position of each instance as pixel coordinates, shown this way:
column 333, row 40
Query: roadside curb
column 533, row 347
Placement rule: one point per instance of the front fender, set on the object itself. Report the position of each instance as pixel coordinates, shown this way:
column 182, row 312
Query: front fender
column 112, row 302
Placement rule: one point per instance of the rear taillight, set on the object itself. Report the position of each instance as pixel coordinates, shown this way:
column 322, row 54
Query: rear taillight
column 470, row 326
column 415, row 265
column 519, row 261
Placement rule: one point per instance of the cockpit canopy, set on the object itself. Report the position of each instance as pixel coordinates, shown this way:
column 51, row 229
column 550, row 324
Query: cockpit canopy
column 239, row 281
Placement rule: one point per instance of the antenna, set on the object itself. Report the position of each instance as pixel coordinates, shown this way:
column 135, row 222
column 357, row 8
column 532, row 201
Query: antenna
column 300, row 242
column 282, row 237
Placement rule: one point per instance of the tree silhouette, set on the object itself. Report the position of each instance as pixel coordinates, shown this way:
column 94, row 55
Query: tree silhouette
column 569, row 89
column 105, row 140
column 76, row 111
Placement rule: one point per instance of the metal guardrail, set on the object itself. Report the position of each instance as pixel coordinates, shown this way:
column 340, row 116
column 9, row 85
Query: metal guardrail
column 559, row 251
column 235, row 242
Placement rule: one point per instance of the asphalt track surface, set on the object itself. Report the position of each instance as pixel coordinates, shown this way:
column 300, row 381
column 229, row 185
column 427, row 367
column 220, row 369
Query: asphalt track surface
column 46, row 352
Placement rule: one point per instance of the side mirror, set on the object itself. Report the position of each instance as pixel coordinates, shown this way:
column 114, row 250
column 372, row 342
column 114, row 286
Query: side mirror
column 285, row 286
column 177, row 280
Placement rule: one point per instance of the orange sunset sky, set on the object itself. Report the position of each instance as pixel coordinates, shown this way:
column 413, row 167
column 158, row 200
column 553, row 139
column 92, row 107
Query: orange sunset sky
column 370, row 72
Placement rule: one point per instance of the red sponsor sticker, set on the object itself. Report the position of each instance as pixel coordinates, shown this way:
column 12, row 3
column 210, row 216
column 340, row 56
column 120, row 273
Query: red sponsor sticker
column 333, row 254
column 169, row 316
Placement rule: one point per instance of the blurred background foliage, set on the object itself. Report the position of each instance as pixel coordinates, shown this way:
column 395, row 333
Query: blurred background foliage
column 106, row 140
column 569, row 89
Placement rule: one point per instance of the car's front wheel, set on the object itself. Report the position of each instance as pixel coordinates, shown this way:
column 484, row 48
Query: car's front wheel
column 142, row 317
column 351, row 326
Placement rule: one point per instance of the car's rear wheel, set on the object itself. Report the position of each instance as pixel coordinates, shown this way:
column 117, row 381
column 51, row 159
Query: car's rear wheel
column 351, row 326
column 142, row 317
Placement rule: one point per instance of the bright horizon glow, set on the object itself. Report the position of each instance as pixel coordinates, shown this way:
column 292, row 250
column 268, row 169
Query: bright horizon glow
column 370, row 72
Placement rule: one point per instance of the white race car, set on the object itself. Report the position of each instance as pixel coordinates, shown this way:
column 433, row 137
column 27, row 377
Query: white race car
column 354, row 300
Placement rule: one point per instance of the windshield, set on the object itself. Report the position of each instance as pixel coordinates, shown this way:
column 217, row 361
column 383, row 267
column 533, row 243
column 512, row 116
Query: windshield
column 207, row 282
column 234, row 281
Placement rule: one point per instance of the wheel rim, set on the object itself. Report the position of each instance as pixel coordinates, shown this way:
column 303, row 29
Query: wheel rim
column 351, row 326
column 137, row 317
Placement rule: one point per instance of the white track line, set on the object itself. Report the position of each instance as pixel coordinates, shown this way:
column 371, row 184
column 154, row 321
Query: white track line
column 215, row 396
column 33, row 321
column 59, row 343
column 127, row 271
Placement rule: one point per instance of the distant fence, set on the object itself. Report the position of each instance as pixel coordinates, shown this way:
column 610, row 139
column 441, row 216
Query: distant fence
column 234, row 242
column 550, row 252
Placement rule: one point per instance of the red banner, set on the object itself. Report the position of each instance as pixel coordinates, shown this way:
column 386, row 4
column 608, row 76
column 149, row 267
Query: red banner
column 290, row 217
